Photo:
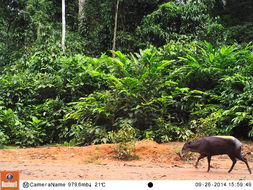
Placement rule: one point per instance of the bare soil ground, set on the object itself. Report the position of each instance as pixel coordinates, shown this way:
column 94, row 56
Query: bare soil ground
column 96, row 162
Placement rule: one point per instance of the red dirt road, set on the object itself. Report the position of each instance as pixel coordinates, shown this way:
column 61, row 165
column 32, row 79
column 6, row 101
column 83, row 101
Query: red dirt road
column 95, row 162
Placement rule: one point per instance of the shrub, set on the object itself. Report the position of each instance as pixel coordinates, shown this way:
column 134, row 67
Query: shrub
column 159, row 92
column 125, row 137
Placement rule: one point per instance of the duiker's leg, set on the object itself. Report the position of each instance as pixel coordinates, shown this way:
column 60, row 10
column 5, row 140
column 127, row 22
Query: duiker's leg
column 240, row 157
column 209, row 161
column 200, row 157
column 232, row 157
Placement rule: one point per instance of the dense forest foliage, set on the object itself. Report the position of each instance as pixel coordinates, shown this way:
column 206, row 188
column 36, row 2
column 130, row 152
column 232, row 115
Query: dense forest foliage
column 180, row 70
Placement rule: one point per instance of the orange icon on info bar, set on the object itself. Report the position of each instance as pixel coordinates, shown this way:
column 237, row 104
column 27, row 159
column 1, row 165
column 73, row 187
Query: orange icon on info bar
column 9, row 180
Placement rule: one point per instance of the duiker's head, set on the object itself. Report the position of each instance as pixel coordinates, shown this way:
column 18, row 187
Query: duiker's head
column 186, row 148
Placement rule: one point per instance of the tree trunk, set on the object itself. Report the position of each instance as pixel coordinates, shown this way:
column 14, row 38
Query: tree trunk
column 80, row 13
column 63, row 26
column 115, row 28
column 38, row 30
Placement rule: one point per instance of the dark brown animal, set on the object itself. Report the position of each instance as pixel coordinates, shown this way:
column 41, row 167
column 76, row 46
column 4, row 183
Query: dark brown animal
column 216, row 145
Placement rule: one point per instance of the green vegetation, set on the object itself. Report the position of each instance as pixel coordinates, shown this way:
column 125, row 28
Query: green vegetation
column 164, row 94
column 125, row 137
column 182, row 69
